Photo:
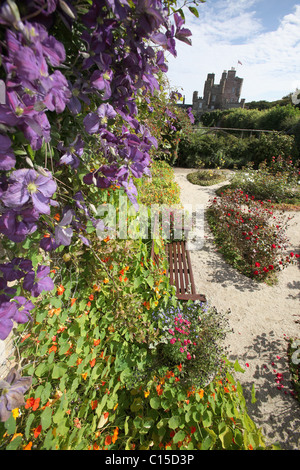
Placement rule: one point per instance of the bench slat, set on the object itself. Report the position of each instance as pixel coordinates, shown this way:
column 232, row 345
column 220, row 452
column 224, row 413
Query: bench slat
column 180, row 269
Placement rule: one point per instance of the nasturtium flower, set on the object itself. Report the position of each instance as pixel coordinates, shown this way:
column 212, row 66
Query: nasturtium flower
column 12, row 390
column 30, row 186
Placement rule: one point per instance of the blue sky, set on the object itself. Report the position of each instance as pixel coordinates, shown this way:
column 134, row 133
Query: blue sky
column 262, row 34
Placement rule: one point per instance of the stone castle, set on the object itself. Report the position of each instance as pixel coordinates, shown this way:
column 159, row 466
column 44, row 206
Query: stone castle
column 225, row 95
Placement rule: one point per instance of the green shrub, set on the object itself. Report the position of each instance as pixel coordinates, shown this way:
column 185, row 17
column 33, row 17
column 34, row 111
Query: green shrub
column 277, row 182
column 206, row 178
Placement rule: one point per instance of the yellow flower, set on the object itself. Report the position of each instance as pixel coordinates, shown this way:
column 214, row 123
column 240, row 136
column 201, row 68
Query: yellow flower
column 15, row 412
column 84, row 376
column 147, row 393
column 201, row 393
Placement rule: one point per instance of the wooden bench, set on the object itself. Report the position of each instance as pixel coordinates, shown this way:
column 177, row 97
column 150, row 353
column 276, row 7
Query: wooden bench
column 180, row 269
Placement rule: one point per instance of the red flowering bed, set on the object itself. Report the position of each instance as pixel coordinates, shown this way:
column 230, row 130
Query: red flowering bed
column 250, row 235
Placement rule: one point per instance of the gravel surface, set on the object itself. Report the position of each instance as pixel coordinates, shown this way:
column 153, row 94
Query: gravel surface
column 262, row 318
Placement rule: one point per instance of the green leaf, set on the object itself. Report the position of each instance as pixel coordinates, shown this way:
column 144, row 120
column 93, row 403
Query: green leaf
column 46, row 418
column 59, row 370
column 14, row 444
column 179, row 436
column 10, row 425
column 155, row 403
column 253, row 397
column 237, row 367
column 207, row 418
column 226, row 438
column 194, row 11
column 174, row 422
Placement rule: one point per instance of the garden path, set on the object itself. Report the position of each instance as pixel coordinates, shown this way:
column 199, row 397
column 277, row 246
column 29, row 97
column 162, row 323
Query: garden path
column 262, row 319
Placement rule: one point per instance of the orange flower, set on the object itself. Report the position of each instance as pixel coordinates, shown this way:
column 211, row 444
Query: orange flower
column 79, row 361
column 25, row 337
column 96, row 288
column 201, row 393
column 84, row 376
column 92, row 362
column 106, row 414
column 91, row 297
column 37, row 431
column 107, row 440
column 94, row 404
column 97, row 342
column 60, row 289
column 28, row 446
column 73, row 301
column 226, row 390
column 77, row 423
column 105, row 281
column 115, row 435
column 57, row 217
column 106, row 239
column 53, row 348
column 33, row 403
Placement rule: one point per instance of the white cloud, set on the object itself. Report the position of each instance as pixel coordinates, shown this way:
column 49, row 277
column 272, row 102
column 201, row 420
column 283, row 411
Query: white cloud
column 227, row 32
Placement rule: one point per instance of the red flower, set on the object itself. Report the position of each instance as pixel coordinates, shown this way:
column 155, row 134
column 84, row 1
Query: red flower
column 257, row 265
column 37, row 431
column 271, row 267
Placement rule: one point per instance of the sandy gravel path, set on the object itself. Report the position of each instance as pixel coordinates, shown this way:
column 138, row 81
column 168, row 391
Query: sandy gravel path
column 262, row 318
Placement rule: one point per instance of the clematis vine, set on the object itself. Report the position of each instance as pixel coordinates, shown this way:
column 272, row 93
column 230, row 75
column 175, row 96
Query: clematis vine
column 96, row 92
column 12, row 390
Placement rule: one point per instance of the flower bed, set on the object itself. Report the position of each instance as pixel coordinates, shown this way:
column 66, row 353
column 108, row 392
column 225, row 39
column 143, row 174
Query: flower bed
column 249, row 234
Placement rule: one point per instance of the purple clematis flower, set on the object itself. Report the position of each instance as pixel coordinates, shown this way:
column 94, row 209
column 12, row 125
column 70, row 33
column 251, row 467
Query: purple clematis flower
column 190, row 115
column 15, row 269
column 18, row 224
column 12, row 388
column 71, row 153
column 95, row 121
column 101, row 81
column 7, row 292
column 181, row 33
column 48, row 243
column 28, row 185
column 7, row 156
column 63, row 231
column 24, row 306
column 8, row 311
column 39, row 282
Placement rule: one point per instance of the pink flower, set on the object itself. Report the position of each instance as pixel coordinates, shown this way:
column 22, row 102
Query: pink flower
column 188, row 356
column 173, row 340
